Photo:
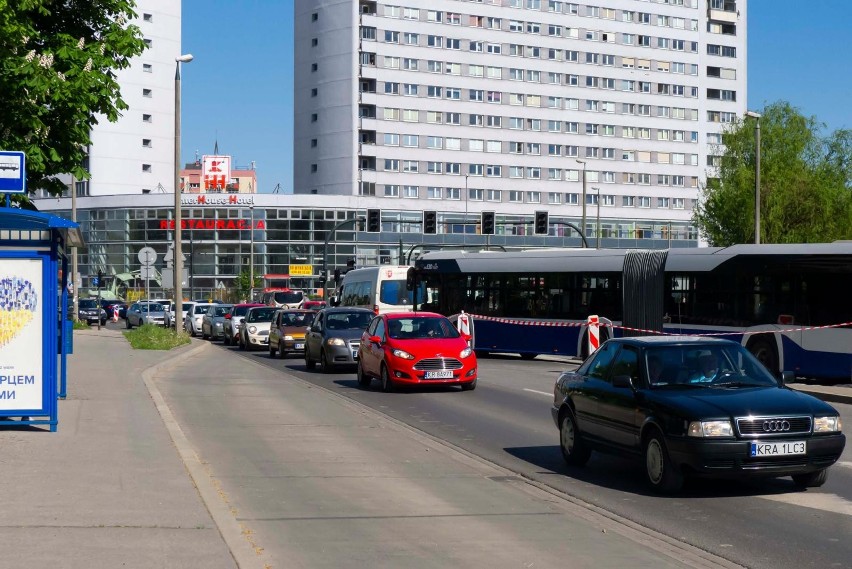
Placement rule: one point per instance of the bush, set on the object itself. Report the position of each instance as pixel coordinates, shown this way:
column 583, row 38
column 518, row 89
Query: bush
column 152, row 337
column 80, row 325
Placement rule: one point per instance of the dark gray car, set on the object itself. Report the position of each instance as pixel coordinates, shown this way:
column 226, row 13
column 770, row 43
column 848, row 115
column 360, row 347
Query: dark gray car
column 213, row 323
column 333, row 338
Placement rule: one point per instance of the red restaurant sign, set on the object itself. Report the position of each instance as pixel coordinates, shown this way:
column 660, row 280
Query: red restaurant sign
column 210, row 224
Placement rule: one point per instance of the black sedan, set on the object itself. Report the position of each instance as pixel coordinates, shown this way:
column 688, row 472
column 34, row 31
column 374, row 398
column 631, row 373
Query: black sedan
column 693, row 407
column 334, row 336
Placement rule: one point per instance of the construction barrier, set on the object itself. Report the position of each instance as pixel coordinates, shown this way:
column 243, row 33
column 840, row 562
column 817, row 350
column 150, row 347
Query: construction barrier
column 594, row 333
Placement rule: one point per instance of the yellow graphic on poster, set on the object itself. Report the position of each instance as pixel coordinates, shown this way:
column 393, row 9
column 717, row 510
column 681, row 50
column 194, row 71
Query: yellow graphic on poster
column 20, row 334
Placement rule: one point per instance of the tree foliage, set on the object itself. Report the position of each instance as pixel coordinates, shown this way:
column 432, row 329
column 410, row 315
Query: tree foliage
column 242, row 286
column 58, row 65
column 805, row 182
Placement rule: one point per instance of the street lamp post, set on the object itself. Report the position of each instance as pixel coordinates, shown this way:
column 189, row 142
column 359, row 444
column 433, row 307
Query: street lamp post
column 583, row 222
column 756, row 117
column 598, row 222
column 177, row 263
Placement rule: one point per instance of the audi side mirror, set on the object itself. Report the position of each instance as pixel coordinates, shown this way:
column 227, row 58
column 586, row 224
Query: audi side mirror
column 622, row 381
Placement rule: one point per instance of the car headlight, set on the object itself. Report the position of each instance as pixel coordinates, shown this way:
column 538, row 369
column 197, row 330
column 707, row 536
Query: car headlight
column 827, row 424
column 288, row 338
column 252, row 329
column 465, row 353
column 335, row 342
column 711, row 429
column 402, row 354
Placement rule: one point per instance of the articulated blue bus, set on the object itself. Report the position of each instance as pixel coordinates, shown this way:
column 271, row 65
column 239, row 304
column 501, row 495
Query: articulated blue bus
column 790, row 305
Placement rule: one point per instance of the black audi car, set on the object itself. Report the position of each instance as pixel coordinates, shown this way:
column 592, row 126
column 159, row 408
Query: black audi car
column 692, row 406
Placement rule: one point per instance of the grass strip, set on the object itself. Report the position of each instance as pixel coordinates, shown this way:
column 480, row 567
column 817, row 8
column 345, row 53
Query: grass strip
column 152, row 337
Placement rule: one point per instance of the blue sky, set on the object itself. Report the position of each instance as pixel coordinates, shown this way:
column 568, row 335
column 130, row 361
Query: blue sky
column 239, row 89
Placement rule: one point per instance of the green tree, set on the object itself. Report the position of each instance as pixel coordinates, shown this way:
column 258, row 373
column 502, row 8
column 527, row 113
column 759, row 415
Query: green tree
column 805, row 182
column 242, row 286
column 58, row 65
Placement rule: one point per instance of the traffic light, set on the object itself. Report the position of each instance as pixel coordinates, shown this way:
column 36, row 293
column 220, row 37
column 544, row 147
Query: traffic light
column 322, row 277
column 336, row 276
column 542, row 225
column 100, row 278
column 374, row 221
column 430, row 222
column 487, row 223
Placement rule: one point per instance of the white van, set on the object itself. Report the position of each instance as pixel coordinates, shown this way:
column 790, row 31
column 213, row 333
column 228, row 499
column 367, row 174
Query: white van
column 283, row 298
column 381, row 289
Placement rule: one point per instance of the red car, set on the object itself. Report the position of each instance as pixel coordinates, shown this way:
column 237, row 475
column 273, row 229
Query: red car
column 415, row 348
column 314, row 304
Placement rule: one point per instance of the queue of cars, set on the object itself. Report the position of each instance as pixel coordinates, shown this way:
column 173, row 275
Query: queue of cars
column 686, row 407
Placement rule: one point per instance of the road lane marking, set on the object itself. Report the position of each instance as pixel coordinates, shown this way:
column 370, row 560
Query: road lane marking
column 824, row 502
column 539, row 392
column 844, row 464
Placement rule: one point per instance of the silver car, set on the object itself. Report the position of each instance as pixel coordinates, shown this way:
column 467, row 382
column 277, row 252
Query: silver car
column 334, row 337
column 145, row 313
column 213, row 323
column 194, row 316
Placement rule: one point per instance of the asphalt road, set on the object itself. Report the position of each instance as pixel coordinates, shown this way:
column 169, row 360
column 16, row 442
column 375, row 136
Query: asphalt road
column 767, row 524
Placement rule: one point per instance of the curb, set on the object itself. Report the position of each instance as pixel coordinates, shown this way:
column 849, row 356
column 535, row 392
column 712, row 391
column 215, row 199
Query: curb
column 244, row 554
column 826, row 395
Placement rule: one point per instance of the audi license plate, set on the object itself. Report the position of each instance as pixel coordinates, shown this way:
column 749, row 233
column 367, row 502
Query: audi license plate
column 786, row 448
column 300, row 346
column 439, row 374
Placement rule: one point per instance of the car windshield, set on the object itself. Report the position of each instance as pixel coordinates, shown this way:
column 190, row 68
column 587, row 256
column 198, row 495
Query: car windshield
column 221, row 310
column 151, row 307
column 260, row 314
column 348, row 320
column 297, row 318
column 291, row 297
column 395, row 292
column 705, row 365
column 200, row 309
column 421, row 327
column 88, row 303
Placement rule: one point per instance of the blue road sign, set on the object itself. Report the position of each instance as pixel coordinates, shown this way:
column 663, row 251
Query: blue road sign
column 13, row 172
column 95, row 281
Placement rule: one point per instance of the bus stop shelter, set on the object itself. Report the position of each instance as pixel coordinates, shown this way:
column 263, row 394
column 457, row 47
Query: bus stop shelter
column 35, row 332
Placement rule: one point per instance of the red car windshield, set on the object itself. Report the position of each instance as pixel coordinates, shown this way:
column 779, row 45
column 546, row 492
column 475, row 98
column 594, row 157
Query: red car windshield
column 420, row 327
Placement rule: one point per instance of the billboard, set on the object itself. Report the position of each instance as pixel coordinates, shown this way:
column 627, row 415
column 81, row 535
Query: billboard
column 21, row 327
column 215, row 172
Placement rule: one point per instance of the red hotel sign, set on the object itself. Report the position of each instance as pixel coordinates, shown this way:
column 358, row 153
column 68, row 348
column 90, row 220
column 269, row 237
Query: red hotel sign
column 211, row 224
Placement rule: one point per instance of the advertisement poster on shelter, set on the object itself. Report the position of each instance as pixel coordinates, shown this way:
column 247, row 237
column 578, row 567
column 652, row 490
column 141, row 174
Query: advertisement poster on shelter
column 21, row 326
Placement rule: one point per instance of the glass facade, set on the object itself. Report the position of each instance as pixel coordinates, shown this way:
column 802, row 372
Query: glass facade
column 220, row 242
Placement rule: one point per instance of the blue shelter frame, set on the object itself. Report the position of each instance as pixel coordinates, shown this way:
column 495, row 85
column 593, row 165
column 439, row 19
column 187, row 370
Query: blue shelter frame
column 37, row 241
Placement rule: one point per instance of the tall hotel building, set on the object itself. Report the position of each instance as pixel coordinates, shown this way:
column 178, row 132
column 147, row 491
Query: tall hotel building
column 505, row 105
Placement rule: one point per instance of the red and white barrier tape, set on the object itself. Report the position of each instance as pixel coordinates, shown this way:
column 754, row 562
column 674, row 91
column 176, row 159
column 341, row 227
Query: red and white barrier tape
column 609, row 324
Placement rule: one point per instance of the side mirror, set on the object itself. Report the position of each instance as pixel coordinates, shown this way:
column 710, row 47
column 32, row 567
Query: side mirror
column 376, row 340
column 622, row 381
column 787, row 377
column 227, row 317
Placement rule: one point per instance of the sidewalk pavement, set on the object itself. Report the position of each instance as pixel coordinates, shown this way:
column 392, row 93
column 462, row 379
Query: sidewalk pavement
column 118, row 485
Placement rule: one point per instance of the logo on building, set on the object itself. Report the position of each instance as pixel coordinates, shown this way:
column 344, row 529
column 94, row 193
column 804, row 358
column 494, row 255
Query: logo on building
column 215, row 172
